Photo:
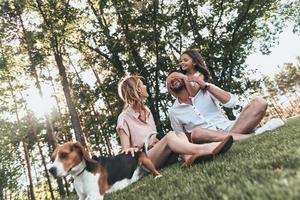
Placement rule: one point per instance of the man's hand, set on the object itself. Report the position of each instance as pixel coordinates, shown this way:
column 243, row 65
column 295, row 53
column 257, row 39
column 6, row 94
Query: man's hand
column 130, row 150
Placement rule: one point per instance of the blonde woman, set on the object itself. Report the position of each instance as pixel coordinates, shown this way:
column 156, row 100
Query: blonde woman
column 136, row 122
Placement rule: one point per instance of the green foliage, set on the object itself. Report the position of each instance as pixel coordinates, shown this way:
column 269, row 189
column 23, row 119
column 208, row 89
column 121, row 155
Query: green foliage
column 146, row 38
column 290, row 13
column 10, row 168
column 287, row 80
column 113, row 38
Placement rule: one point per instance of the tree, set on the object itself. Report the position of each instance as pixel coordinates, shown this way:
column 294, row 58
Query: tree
column 57, row 16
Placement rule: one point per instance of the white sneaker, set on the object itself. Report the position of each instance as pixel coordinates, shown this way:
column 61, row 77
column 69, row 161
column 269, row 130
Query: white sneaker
column 270, row 125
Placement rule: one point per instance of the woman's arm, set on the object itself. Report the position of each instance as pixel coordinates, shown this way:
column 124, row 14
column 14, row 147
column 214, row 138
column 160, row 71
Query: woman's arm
column 125, row 143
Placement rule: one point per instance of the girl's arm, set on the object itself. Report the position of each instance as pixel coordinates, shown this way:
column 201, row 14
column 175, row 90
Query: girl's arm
column 190, row 85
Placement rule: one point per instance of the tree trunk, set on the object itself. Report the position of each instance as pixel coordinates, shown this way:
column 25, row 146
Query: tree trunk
column 46, row 170
column 56, row 48
column 98, row 83
column 25, row 147
column 114, row 59
column 68, row 136
column 103, row 138
column 66, row 88
column 1, row 193
column 50, row 129
column 32, row 197
column 66, row 185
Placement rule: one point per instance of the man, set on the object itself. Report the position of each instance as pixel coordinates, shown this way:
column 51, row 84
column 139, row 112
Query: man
column 202, row 114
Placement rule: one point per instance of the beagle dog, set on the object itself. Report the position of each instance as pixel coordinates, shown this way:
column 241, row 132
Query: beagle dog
column 95, row 177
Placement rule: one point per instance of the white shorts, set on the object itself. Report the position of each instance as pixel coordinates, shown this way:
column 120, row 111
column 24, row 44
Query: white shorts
column 230, row 125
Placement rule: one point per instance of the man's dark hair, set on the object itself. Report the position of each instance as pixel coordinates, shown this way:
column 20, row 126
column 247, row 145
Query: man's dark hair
column 172, row 71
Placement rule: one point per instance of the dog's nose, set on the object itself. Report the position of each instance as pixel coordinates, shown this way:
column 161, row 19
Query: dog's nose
column 53, row 171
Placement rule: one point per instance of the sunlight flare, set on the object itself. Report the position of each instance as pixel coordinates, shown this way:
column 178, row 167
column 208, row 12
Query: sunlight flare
column 40, row 106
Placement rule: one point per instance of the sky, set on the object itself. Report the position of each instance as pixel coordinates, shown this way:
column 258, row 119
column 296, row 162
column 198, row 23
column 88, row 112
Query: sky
column 286, row 51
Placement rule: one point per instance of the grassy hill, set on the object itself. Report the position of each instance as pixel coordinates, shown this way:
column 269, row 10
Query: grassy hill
column 263, row 167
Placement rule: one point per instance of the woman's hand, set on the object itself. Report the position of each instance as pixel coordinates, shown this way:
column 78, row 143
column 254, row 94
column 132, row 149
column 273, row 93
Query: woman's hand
column 130, row 150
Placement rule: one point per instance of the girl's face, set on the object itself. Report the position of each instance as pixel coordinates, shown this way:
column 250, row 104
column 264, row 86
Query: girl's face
column 186, row 62
column 142, row 90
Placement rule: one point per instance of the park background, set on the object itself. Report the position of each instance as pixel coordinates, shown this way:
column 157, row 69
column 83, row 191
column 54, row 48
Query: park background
column 60, row 63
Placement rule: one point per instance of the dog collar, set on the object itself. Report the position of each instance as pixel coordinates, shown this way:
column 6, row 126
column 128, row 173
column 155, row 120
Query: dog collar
column 81, row 172
column 78, row 169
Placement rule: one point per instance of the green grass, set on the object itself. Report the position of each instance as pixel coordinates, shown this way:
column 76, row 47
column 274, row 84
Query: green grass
column 262, row 167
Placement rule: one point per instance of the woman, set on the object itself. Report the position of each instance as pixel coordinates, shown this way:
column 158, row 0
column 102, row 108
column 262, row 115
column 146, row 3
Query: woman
column 136, row 122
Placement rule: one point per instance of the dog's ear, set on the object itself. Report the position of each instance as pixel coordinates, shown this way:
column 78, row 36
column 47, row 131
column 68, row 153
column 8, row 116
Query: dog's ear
column 53, row 155
column 85, row 154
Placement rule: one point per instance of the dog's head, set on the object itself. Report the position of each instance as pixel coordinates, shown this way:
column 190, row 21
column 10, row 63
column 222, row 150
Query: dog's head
column 66, row 157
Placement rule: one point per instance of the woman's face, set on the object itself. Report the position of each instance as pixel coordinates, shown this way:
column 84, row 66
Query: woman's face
column 186, row 62
column 142, row 90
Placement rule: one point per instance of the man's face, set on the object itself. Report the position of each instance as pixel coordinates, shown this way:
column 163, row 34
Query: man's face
column 175, row 83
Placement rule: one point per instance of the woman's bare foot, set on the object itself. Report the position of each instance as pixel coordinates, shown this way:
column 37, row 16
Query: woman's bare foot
column 205, row 151
column 208, row 150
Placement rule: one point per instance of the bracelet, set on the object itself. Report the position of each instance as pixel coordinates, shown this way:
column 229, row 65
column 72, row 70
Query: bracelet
column 207, row 85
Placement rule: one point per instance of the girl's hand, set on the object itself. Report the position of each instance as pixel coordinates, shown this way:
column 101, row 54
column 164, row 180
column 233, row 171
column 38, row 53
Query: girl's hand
column 174, row 76
column 199, row 80
column 130, row 150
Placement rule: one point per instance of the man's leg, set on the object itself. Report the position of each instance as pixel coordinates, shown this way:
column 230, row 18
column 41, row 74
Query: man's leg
column 200, row 135
column 250, row 116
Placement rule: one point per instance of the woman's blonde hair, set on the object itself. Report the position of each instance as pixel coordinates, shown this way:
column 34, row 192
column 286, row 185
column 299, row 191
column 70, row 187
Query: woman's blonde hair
column 128, row 92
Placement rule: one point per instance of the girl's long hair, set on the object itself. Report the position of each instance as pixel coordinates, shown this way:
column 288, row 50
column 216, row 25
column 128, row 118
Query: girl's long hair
column 128, row 92
column 200, row 65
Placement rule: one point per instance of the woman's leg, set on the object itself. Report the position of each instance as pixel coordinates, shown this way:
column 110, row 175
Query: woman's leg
column 172, row 142
column 182, row 146
column 200, row 135
column 159, row 153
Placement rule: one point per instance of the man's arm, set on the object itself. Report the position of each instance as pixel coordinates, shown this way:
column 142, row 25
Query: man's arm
column 221, row 95
column 224, row 97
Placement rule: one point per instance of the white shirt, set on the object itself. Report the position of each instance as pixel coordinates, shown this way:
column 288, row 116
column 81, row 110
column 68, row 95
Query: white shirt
column 204, row 112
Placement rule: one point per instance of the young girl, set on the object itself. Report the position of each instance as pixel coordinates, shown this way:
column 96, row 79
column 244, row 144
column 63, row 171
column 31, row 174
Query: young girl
column 197, row 75
column 136, row 122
